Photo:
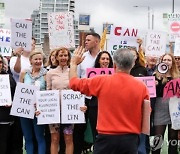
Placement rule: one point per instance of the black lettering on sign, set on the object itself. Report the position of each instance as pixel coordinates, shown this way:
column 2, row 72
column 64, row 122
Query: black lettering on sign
column 92, row 72
column 72, row 96
column 21, row 25
column 72, row 106
column 25, row 111
column 28, row 91
column 73, row 117
column 20, row 44
column 25, row 101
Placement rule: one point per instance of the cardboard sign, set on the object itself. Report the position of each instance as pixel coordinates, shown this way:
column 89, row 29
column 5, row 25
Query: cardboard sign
column 49, row 106
column 150, row 83
column 122, row 37
column 24, row 100
column 172, row 88
column 91, row 72
column 21, row 34
column 61, row 30
column 156, row 44
column 177, row 47
column 71, row 102
column 5, row 91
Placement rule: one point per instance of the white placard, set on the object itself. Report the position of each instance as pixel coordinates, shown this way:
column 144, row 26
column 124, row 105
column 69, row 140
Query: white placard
column 24, row 100
column 61, row 30
column 155, row 43
column 5, row 91
column 21, row 34
column 122, row 37
column 5, row 42
column 174, row 30
column 5, row 37
column 49, row 106
column 71, row 102
column 177, row 47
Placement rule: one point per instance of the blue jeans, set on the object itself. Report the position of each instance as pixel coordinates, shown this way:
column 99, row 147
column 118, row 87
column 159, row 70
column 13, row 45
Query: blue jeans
column 142, row 144
column 27, row 127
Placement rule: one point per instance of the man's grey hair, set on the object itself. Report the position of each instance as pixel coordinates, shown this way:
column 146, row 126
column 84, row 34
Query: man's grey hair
column 124, row 59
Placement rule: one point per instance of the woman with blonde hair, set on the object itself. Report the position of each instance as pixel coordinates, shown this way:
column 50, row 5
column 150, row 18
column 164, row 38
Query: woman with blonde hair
column 161, row 109
column 35, row 76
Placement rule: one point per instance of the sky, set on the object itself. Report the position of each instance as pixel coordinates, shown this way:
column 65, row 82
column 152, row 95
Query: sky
column 118, row 12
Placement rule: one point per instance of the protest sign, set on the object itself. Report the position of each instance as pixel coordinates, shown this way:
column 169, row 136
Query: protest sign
column 155, row 44
column 150, row 83
column 49, row 106
column 21, row 34
column 61, row 30
column 5, row 91
column 122, row 37
column 71, row 102
column 172, row 88
column 5, row 42
column 90, row 72
column 24, row 100
column 174, row 30
column 177, row 47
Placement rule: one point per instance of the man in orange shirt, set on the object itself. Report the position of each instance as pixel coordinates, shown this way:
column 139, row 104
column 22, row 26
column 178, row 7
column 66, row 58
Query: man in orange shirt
column 120, row 98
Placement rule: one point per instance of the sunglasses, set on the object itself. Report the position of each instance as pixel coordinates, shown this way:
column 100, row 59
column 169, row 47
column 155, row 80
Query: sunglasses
column 177, row 58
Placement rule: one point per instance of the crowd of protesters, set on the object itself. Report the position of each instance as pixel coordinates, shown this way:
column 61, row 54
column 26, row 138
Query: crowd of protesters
column 113, row 103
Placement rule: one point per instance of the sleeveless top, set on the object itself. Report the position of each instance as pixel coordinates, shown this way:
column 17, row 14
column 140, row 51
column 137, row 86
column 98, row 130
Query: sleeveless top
column 38, row 80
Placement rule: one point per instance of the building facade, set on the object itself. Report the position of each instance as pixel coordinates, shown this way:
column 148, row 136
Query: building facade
column 40, row 18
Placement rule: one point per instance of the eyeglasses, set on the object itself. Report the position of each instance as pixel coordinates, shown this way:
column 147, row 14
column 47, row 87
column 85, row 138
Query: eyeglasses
column 177, row 58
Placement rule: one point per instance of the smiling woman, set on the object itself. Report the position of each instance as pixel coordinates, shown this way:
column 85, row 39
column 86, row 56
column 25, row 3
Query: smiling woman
column 34, row 76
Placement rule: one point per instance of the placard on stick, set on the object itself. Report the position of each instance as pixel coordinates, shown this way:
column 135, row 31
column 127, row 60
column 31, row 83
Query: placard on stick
column 24, row 100
column 5, row 92
column 49, row 106
column 71, row 102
